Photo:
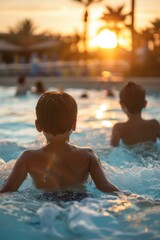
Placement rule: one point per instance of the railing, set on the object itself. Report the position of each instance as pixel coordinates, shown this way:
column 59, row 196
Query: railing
column 62, row 69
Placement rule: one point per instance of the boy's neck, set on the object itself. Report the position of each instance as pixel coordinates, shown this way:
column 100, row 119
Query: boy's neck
column 134, row 117
column 57, row 139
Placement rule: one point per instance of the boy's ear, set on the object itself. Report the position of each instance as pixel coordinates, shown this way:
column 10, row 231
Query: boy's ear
column 145, row 103
column 125, row 110
column 122, row 105
column 74, row 125
column 38, row 126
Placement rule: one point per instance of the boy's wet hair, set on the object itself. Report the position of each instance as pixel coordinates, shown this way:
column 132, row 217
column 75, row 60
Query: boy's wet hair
column 56, row 112
column 21, row 80
column 39, row 87
column 132, row 96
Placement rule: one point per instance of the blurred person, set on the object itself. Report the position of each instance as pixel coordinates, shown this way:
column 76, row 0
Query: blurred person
column 135, row 129
column 109, row 92
column 39, row 87
column 84, row 95
column 22, row 86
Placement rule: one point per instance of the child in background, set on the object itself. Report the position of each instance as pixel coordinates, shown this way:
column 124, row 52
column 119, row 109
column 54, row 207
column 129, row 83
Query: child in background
column 135, row 129
column 22, row 86
column 59, row 167
column 39, row 88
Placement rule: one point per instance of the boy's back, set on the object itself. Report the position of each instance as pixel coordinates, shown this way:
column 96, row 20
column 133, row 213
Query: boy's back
column 62, row 167
column 136, row 129
column 133, row 132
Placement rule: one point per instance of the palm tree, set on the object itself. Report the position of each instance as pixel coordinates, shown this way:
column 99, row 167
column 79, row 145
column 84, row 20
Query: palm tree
column 23, row 32
column 152, row 34
column 86, row 4
column 156, row 31
column 147, row 36
column 114, row 19
column 156, row 25
column 133, row 30
column 25, row 27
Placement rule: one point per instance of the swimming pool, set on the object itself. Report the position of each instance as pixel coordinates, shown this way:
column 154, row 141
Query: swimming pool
column 134, row 169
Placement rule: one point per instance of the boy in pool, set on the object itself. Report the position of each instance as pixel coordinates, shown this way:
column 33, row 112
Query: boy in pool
column 135, row 129
column 22, row 86
column 59, row 165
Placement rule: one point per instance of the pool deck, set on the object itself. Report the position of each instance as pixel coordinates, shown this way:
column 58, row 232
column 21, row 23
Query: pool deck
column 151, row 84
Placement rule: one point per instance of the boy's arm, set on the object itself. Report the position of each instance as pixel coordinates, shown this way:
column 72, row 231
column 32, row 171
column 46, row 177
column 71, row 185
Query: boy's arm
column 158, row 130
column 98, row 175
column 17, row 175
column 156, row 126
column 115, row 137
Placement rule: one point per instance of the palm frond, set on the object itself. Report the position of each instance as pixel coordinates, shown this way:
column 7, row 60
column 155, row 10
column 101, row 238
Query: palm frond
column 120, row 9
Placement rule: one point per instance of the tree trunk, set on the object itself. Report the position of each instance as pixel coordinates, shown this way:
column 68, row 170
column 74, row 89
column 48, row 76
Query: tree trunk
column 85, row 37
column 133, row 32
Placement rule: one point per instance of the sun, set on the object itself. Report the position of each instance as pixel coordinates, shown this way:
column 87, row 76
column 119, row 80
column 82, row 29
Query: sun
column 105, row 39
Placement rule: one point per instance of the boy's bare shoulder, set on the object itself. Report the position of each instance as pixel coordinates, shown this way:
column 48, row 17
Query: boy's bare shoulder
column 154, row 125
column 153, row 122
column 86, row 152
column 117, row 132
column 29, row 154
column 119, row 126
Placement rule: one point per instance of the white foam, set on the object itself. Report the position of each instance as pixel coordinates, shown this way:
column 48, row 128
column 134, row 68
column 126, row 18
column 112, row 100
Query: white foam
column 48, row 215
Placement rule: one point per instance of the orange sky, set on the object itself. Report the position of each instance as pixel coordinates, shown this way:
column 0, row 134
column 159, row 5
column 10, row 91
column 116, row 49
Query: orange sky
column 65, row 16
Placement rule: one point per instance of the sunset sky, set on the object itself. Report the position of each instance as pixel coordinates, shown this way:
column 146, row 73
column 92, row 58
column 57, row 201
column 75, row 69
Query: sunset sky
column 65, row 16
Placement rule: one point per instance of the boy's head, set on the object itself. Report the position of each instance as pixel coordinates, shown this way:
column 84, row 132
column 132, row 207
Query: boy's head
column 56, row 112
column 21, row 80
column 132, row 97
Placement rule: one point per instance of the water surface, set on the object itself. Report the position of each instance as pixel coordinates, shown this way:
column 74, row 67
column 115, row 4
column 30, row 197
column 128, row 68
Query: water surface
column 135, row 170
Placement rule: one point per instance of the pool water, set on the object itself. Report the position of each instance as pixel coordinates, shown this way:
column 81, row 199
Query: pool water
column 135, row 170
